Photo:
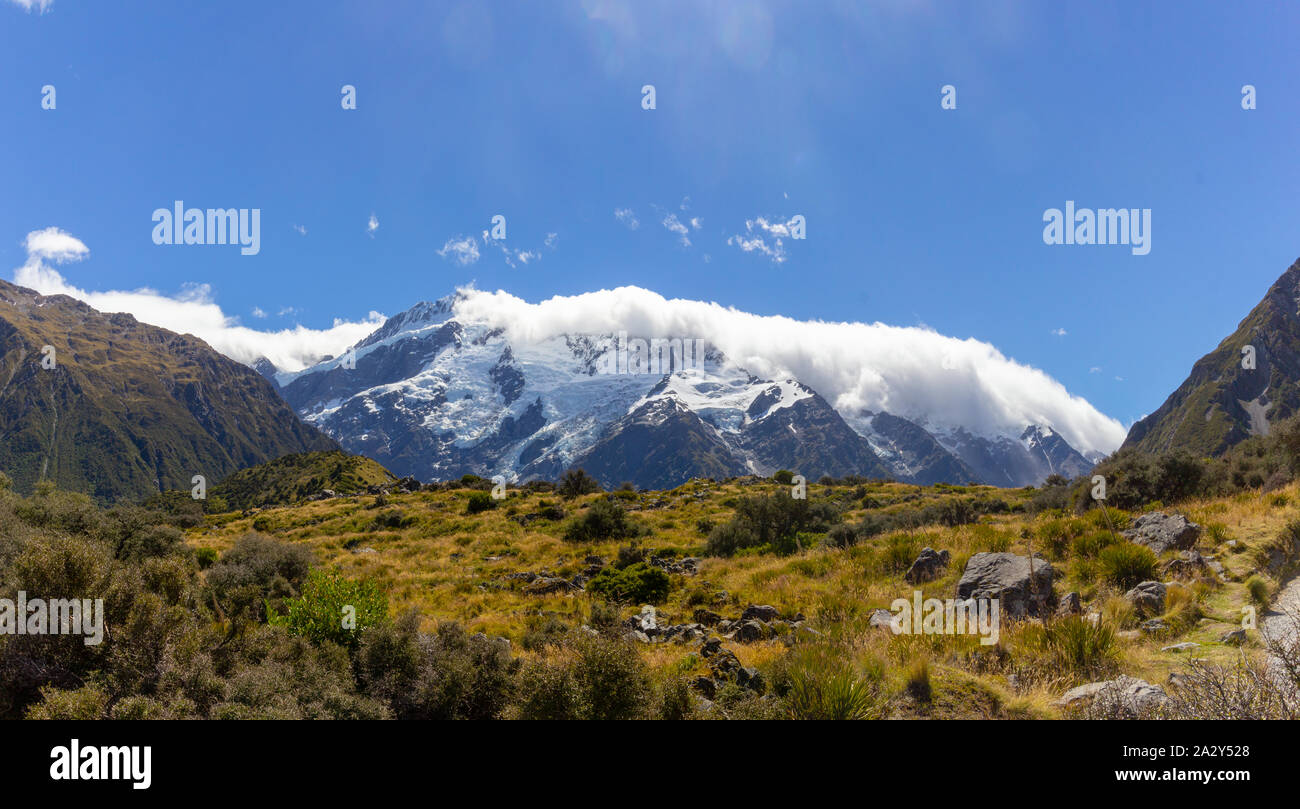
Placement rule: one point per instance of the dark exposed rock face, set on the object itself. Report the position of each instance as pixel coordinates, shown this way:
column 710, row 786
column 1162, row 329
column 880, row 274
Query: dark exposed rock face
column 128, row 409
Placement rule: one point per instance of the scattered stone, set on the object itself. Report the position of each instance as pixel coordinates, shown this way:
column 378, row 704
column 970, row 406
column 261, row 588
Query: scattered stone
column 1071, row 604
column 1180, row 647
column 760, row 612
column 750, row 631
column 1148, row 597
column 1162, row 532
column 1189, row 565
column 1007, row 577
column 751, row 679
column 882, row 619
column 545, row 585
column 1154, row 626
column 706, row 617
column 1235, row 638
column 929, row 565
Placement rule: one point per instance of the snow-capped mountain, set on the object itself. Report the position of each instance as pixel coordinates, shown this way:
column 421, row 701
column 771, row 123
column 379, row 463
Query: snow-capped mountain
column 435, row 397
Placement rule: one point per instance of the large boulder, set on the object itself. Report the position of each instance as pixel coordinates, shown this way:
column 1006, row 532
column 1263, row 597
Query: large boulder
column 1148, row 597
column 1126, row 696
column 928, row 565
column 1162, row 532
column 1007, row 577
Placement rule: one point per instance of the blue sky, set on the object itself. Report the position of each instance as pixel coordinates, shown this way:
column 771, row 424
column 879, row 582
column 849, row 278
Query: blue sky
column 829, row 110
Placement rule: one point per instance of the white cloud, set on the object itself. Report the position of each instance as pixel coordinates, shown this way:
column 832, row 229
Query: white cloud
column 54, row 245
column 552, row 239
column 909, row 371
column 757, row 232
column 192, row 311
column 1059, row 332
column 695, row 222
column 1094, row 370
column 372, row 225
column 27, row 5
column 259, row 312
column 462, row 249
column 302, row 230
column 670, row 222
column 628, row 218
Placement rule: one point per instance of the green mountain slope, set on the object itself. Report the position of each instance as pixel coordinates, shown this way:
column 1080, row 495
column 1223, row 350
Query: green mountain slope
column 1222, row 403
column 128, row 409
column 292, row 478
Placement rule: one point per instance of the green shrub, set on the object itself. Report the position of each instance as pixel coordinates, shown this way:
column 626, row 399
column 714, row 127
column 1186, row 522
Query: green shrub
column 1079, row 646
column 206, row 557
column 824, row 688
column 637, row 583
column 575, row 483
column 603, row 520
column 784, row 476
column 255, row 571
column 480, row 502
column 1258, row 588
column 1126, row 564
column 332, row 608
column 599, row 678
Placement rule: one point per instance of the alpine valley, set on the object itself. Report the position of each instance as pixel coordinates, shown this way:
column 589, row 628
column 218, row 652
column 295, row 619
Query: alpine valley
column 435, row 396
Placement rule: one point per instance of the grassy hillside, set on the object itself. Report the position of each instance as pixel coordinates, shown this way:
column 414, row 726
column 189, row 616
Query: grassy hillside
column 426, row 551
column 238, row 616
column 297, row 477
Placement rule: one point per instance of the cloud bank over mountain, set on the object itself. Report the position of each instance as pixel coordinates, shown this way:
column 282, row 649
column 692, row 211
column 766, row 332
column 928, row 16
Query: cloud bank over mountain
column 939, row 381
column 193, row 311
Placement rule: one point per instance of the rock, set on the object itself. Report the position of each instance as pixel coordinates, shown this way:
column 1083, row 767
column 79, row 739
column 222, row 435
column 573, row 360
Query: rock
column 1235, row 638
column 545, row 585
column 710, row 647
column 1148, row 597
column 1129, row 695
column 750, row 678
column 1154, row 626
column 706, row 617
column 928, row 565
column 1006, row 577
column 750, row 631
column 1180, row 647
column 1070, row 604
column 882, row 619
column 1162, row 532
column 760, row 612
column 707, row 686
column 1188, row 565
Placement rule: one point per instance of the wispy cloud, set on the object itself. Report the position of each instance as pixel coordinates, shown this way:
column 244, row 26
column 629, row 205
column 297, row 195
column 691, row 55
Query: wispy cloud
column 461, row 249
column 191, row 311
column 302, row 229
column 41, row 6
column 671, row 223
column 628, row 218
column 1059, row 332
column 259, row 312
column 765, row 237
column 372, row 225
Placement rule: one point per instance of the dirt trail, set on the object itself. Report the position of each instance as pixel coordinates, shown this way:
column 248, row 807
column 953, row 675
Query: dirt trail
column 1283, row 621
